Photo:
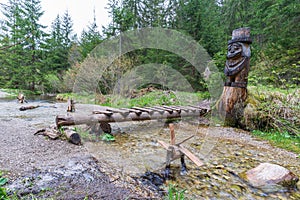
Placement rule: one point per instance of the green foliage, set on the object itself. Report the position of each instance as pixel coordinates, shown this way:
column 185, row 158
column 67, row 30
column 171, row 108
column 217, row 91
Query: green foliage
column 108, row 137
column 90, row 39
column 280, row 139
column 3, row 194
column 22, row 60
column 175, row 193
column 280, row 69
column 270, row 108
column 52, row 83
column 85, row 135
column 28, row 55
column 3, row 181
column 159, row 98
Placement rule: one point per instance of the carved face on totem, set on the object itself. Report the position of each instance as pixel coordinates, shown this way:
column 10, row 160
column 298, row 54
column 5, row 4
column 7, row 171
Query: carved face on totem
column 236, row 56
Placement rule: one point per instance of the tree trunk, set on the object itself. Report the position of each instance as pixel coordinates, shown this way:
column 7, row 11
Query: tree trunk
column 232, row 104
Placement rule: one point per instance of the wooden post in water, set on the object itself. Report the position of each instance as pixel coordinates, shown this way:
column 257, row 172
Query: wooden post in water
column 232, row 102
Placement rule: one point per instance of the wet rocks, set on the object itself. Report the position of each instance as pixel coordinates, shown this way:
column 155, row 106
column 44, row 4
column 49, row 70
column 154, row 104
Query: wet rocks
column 271, row 177
column 79, row 176
column 153, row 181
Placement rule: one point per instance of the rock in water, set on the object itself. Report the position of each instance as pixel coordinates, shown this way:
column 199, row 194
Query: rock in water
column 271, row 177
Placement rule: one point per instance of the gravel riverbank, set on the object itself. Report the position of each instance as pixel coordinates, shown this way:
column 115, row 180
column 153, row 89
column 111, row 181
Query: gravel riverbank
column 47, row 168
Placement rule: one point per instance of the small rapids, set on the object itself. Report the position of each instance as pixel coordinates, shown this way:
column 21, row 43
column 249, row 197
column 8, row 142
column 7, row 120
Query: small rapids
column 227, row 153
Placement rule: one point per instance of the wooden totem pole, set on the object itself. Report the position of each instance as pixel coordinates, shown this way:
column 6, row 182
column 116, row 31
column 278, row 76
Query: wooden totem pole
column 232, row 102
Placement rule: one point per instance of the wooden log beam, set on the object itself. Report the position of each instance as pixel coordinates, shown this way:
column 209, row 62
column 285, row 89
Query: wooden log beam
column 155, row 109
column 164, row 109
column 143, row 109
column 108, row 113
column 116, row 110
column 76, row 119
column 172, row 134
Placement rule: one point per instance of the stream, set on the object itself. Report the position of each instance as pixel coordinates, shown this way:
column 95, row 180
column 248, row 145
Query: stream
column 231, row 153
column 226, row 152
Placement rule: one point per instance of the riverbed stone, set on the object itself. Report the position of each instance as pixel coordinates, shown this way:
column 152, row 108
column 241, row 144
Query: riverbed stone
column 271, row 177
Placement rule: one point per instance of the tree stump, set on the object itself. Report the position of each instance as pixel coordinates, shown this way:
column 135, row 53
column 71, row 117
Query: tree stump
column 232, row 102
column 71, row 105
column 21, row 98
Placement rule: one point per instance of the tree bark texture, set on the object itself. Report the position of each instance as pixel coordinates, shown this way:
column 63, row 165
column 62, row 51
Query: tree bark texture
column 76, row 119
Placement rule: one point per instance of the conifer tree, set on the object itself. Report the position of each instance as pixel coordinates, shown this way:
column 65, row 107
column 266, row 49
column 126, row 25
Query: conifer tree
column 33, row 67
column 90, row 38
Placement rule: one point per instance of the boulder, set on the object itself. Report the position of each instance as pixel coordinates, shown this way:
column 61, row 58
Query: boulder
column 271, row 177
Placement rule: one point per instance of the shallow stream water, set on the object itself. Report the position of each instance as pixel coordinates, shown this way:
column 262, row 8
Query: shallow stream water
column 226, row 152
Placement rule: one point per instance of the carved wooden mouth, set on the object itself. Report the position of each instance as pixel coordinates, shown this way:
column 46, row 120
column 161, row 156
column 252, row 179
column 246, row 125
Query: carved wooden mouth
column 233, row 63
column 234, row 55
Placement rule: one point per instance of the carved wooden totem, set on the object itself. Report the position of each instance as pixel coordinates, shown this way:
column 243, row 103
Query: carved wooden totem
column 232, row 102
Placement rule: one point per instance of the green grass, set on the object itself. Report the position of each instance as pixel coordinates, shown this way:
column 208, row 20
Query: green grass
column 281, row 140
column 270, row 108
column 3, row 181
column 175, row 193
column 271, row 89
column 80, row 98
column 158, row 98
column 149, row 99
column 15, row 92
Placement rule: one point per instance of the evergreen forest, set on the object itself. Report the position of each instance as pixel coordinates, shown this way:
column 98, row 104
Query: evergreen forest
column 33, row 59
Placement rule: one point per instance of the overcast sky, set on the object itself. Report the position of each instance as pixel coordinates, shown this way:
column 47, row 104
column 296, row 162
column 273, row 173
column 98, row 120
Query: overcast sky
column 81, row 12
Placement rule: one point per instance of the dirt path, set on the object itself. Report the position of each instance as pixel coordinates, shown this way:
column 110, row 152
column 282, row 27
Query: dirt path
column 48, row 168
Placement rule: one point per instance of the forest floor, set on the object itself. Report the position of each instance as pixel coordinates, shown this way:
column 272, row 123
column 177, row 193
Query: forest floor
column 43, row 168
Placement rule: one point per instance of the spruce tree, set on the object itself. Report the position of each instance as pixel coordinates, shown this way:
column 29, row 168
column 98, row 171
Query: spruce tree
column 90, row 38
column 33, row 67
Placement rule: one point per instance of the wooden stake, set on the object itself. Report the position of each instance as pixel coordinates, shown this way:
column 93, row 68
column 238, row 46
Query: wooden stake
column 176, row 150
column 172, row 134
column 71, row 105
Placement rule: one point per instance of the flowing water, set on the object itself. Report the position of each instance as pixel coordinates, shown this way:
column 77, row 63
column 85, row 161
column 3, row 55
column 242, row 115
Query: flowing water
column 227, row 153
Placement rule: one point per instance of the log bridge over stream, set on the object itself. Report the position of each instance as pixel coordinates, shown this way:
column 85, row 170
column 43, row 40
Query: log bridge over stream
column 107, row 115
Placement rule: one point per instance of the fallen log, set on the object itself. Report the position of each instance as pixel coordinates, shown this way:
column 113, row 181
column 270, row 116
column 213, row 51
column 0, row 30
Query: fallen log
column 50, row 132
column 23, row 108
column 53, row 133
column 76, row 119
column 72, row 136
